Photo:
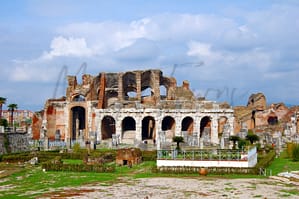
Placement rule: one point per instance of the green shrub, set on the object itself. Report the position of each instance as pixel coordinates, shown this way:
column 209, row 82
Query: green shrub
column 149, row 155
column 265, row 161
column 290, row 147
column 242, row 143
column 76, row 148
column 295, row 152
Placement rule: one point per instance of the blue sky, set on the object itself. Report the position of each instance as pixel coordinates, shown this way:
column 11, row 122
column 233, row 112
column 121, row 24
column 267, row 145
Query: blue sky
column 245, row 46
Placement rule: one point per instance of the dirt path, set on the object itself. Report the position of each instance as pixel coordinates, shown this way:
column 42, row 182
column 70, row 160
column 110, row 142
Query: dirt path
column 168, row 188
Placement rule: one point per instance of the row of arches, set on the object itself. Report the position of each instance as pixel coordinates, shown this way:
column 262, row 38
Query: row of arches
column 149, row 127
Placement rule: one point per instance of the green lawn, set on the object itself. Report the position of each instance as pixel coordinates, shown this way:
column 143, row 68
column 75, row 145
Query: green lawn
column 72, row 161
column 26, row 181
column 283, row 164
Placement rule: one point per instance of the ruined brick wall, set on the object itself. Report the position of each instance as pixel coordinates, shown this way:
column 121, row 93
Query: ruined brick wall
column 36, row 126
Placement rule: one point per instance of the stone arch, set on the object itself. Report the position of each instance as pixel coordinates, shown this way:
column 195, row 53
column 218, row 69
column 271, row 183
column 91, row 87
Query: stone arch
column 78, row 98
column 78, row 124
column 205, row 126
column 148, row 128
column 128, row 130
column 272, row 119
column 168, row 125
column 111, row 97
column 188, row 125
column 163, row 92
column 129, row 85
column 107, row 127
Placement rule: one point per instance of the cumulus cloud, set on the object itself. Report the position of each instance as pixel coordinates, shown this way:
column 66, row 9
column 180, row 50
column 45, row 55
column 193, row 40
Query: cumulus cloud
column 75, row 47
column 249, row 49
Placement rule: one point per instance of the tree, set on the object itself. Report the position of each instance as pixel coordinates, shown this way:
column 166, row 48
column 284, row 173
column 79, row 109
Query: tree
column 3, row 122
column 252, row 137
column 2, row 101
column 234, row 138
column 178, row 140
column 12, row 108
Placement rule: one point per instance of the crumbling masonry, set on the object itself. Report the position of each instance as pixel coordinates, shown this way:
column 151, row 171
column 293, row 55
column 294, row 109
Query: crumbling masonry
column 134, row 107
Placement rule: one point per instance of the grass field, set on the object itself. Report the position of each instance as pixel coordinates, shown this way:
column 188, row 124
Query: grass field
column 283, row 164
column 27, row 181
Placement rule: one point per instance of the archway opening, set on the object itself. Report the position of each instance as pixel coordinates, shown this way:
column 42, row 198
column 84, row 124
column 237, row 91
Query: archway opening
column 168, row 125
column 128, row 130
column 148, row 128
column 272, row 120
column 107, row 127
column 78, row 122
column 188, row 125
column 163, row 92
column 205, row 126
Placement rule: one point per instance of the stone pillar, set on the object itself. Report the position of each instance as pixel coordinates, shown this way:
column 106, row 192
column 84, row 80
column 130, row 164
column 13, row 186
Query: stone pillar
column 231, row 125
column 118, row 129
column 138, row 85
column 156, row 85
column 120, row 87
column 214, row 131
column 46, row 143
column 138, row 135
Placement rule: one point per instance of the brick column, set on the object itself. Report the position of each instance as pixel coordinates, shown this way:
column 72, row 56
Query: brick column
column 138, row 85
column 156, row 85
column 120, row 87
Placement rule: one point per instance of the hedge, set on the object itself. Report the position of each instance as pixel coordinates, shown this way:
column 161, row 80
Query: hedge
column 149, row 155
column 48, row 166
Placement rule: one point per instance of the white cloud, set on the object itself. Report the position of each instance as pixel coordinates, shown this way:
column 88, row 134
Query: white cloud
column 61, row 46
column 248, row 50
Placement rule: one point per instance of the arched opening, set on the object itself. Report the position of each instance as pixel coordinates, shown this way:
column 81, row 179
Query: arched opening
column 146, row 92
column 188, row 125
column 78, row 122
column 272, row 120
column 79, row 98
column 168, row 125
column 163, row 92
column 148, row 128
column 107, row 127
column 205, row 127
column 130, row 86
column 221, row 123
column 111, row 97
column 128, row 130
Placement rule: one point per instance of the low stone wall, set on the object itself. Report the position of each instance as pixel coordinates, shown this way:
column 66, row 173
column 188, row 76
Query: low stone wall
column 13, row 142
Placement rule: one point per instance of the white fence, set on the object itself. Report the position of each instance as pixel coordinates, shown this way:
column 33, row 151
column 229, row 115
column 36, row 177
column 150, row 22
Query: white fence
column 207, row 158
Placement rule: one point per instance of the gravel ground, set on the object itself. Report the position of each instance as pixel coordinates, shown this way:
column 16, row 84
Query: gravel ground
column 169, row 188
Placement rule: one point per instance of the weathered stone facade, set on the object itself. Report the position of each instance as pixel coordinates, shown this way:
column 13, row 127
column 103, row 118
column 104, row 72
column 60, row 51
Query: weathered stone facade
column 134, row 107
column 13, row 142
column 262, row 118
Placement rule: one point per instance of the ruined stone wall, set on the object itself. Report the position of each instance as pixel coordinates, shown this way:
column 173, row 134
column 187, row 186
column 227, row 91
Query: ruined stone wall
column 17, row 142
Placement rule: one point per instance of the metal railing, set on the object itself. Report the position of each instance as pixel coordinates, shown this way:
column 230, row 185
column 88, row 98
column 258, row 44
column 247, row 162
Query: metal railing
column 202, row 154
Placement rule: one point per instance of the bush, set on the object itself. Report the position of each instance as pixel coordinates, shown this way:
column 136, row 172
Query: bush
column 295, row 152
column 290, row 146
column 265, row 161
column 76, row 148
column 149, row 155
